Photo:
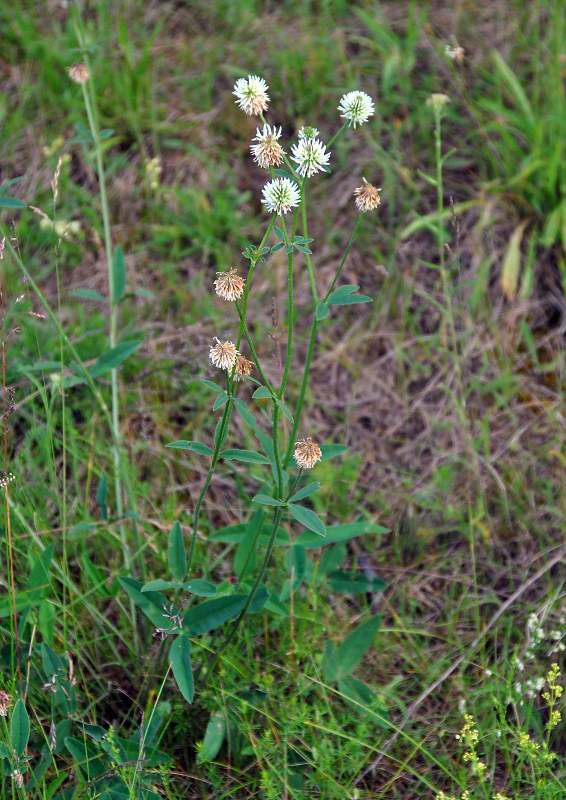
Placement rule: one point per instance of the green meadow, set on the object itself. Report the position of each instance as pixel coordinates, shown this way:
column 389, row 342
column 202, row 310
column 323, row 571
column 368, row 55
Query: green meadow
column 283, row 318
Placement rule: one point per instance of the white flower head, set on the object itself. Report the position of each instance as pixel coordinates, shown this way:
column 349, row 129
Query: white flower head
column 252, row 94
column 357, row 107
column 281, row 195
column 223, row 354
column 437, row 101
column 308, row 132
column 311, row 156
column 267, row 152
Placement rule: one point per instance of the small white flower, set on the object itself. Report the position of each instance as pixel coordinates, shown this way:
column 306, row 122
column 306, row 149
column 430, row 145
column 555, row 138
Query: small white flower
column 311, row 156
column 281, row 195
column 223, row 354
column 252, row 94
column 308, row 132
column 357, row 107
column 437, row 101
column 267, row 152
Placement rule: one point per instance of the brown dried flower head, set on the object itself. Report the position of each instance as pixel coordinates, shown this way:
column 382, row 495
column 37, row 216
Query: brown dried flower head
column 267, row 152
column 223, row 354
column 5, row 703
column 367, row 197
column 78, row 73
column 307, row 453
column 229, row 285
column 243, row 368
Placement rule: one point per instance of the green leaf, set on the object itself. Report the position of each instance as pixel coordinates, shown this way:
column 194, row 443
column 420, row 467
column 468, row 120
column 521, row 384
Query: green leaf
column 114, row 357
column 200, row 587
column 196, row 447
column 234, row 534
column 214, row 386
column 303, row 249
column 5, row 751
column 102, row 496
column 278, row 232
column 277, row 247
column 212, row 613
column 219, row 437
column 51, row 662
column 19, row 728
column 39, row 574
column 11, row 202
column 180, row 660
column 176, row 555
column 354, row 582
column 151, row 603
column 260, row 599
column 88, row 294
column 512, row 263
column 284, row 409
column 213, row 737
column 307, row 518
column 344, row 296
column 220, row 401
column 262, row 393
column 513, row 85
column 245, row 455
column 159, row 585
column 244, row 560
column 118, row 274
column 332, row 450
column 364, row 701
column 46, row 619
column 106, row 133
column 306, row 491
column 322, row 311
column 339, row 533
column 10, row 183
column 265, row 500
column 343, row 661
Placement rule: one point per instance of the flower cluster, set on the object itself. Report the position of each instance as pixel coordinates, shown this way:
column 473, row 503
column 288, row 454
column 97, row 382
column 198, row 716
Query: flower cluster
column 307, row 453
column 454, row 53
column 356, row 107
column 281, row 195
column 252, row 94
column 437, row 101
column 223, row 354
column 311, row 156
column 78, row 73
column 229, row 285
column 5, row 703
column 267, row 152
column 367, row 197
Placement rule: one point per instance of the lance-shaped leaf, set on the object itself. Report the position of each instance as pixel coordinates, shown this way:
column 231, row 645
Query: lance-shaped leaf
column 307, row 518
column 180, row 660
column 341, row 662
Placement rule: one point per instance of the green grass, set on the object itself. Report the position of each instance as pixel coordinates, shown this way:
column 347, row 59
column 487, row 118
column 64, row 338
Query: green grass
column 448, row 393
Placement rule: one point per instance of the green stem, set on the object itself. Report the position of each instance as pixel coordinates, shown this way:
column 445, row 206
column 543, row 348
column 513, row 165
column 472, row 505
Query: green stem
column 345, row 256
column 337, row 134
column 302, row 392
column 238, row 621
column 306, row 235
